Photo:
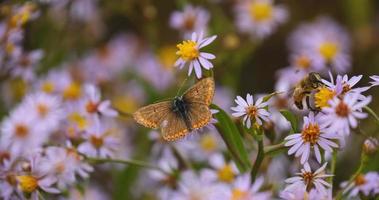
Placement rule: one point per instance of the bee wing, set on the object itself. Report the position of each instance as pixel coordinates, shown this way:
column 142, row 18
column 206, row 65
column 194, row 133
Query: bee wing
column 199, row 115
column 173, row 127
column 152, row 115
column 201, row 92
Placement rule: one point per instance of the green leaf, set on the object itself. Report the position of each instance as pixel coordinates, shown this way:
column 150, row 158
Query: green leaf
column 232, row 138
column 292, row 119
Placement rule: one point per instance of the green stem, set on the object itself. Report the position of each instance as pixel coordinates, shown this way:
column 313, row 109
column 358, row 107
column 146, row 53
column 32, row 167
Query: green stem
column 181, row 158
column 372, row 113
column 274, row 148
column 126, row 162
column 258, row 160
column 333, row 166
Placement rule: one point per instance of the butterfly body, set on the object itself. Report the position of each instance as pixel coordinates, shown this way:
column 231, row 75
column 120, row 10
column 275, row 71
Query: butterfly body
column 183, row 114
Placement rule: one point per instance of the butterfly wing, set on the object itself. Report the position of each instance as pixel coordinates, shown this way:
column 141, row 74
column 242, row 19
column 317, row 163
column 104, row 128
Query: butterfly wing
column 173, row 127
column 202, row 92
column 199, row 115
column 152, row 115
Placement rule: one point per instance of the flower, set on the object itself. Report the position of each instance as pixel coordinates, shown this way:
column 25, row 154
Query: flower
column 189, row 52
column 92, row 104
column 259, row 18
column 298, row 192
column 375, row 81
column 25, row 64
column 311, row 179
column 191, row 19
column 343, row 113
column 313, row 136
column 243, row 190
column 326, row 42
column 251, row 111
column 223, row 171
column 99, row 141
column 367, row 183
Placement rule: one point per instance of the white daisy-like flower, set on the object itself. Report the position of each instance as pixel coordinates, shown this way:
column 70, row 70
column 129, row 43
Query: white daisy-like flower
column 326, row 42
column 313, row 136
column 24, row 66
column 367, row 183
column 92, row 104
column 99, row 141
column 298, row 192
column 375, row 80
column 191, row 19
column 344, row 84
column 189, row 52
column 46, row 109
column 343, row 113
column 37, row 179
column 242, row 189
column 259, row 18
column 251, row 112
column 201, row 187
column 311, row 179
column 223, row 171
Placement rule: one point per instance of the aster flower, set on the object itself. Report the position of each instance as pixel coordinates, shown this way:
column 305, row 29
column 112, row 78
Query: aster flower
column 189, row 52
column 99, row 141
column 251, row 112
column 343, row 113
column 259, row 18
column 92, row 104
column 375, row 80
column 223, row 171
column 242, row 189
column 313, row 136
column 311, row 179
column 367, row 183
column 24, row 65
column 326, row 42
column 298, row 192
column 191, row 19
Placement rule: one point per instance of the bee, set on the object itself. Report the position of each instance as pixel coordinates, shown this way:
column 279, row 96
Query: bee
column 305, row 88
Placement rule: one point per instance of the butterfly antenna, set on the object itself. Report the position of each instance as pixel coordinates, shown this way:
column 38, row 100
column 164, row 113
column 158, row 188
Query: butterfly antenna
column 181, row 86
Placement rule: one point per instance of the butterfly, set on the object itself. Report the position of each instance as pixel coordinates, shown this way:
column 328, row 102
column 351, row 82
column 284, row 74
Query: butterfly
column 183, row 114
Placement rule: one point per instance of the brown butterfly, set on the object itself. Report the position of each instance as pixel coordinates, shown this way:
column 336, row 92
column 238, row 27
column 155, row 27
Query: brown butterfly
column 183, row 114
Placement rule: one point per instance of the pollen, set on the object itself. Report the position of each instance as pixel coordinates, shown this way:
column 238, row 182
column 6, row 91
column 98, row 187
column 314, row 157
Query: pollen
column 311, row 133
column 21, row 130
column 27, row 183
column 342, row 109
column 323, row 96
column 308, row 179
column 208, row 143
column 226, row 173
column 48, row 87
column 91, row 107
column 328, row 50
column 359, row 180
column 72, row 92
column 303, row 62
column 252, row 111
column 42, row 110
column 238, row 194
column 97, row 142
column 187, row 50
column 261, row 11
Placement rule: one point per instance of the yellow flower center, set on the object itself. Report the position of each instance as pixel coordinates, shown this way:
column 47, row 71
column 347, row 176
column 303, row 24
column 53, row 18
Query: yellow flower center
column 72, row 92
column 238, row 194
column 360, row 180
column 166, row 56
column 328, row 50
column 226, row 173
column 187, row 50
column 27, row 183
column 342, row 109
column 252, row 111
column 91, row 107
column 261, row 11
column 42, row 110
column 21, row 130
column 97, row 142
column 323, row 96
column 208, row 143
column 303, row 62
column 79, row 120
column 48, row 87
column 311, row 133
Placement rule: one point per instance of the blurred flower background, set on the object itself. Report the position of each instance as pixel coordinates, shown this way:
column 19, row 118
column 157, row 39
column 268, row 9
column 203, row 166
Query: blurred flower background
column 73, row 71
